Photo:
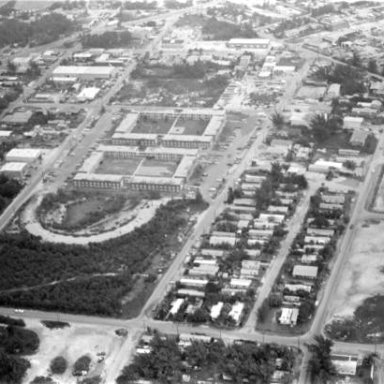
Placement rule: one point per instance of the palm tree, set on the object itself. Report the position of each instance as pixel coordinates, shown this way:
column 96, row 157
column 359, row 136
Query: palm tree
column 323, row 73
column 324, row 126
column 320, row 364
column 277, row 120
column 356, row 60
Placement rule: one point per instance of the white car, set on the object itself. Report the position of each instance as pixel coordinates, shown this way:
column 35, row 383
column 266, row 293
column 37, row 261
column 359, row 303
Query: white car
column 19, row 310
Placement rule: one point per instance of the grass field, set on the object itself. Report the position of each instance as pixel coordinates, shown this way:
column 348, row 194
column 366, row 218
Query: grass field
column 157, row 168
column 192, row 127
column 118, row 166
column 77, row 212
column 153, row 126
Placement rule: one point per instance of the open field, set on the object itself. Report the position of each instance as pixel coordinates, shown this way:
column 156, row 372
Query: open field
column 191, row 127
column 118, row 166
column 148, row 125
column 71, row 343
column 77, row 212
column 156, row 168
column 355, row 311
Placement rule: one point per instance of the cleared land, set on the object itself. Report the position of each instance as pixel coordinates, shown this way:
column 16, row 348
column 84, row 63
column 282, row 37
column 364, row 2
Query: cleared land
column 118, row 166
column 355, row 312
column 180, row 86
column 71, row 343
column 70, row 210
column 157, row 168
column 84, row 210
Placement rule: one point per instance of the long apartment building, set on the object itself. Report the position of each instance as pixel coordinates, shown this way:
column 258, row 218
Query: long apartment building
column 159, row 153
column 87, row 178
column 124, row 136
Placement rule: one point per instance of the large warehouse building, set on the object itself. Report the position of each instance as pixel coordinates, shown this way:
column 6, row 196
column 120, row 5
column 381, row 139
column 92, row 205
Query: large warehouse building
column 248, row 43
column 83, row 72
column 23, row 155
column 14, row 170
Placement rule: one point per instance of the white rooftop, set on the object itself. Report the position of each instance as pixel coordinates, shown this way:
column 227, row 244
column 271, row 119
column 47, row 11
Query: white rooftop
column 24, row 153
column 13, row 167
column 64, row 70
column 305, row 271
column 248, row 41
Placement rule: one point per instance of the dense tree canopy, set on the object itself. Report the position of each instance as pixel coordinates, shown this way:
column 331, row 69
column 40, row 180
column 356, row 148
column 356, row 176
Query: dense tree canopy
column 12, row 368
column 15, row 341
column 223, row 30
column 323, row 127
column 242, row 362
column 107, row 40
column 58, row 365
column 104, row 272
column 46, row 29
column 320, row 365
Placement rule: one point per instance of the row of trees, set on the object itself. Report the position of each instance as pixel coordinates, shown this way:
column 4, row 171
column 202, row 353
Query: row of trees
column 215, row 29
column 107, row 40
column 14, row 342
column 320, row 366
column 197, row 70
column 44, row 30
column 371, row 65
column 9, row 188
column 11, row 95
column 67, row 5
column 350, row 78
column 7, row 8
column 12, row 368
column 242, row 362
column 139, row 5
column 174, row 4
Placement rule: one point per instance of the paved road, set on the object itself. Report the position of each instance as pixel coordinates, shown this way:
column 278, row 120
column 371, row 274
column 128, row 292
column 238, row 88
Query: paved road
column 71, row 143
column 202, row 226
column 294, row 225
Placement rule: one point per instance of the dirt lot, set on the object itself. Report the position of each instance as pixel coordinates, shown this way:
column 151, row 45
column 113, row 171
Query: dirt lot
column 118, row 166
column 353, row 301
column 71, row 343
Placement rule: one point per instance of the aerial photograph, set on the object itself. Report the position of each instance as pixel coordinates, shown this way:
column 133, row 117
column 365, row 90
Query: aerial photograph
column 191, row 191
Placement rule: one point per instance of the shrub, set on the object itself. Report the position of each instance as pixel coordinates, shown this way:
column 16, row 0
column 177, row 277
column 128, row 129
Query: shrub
column 58, row 365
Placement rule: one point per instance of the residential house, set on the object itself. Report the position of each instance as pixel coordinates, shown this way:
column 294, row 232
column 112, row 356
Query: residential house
column 305, row 271
column 289, row 316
